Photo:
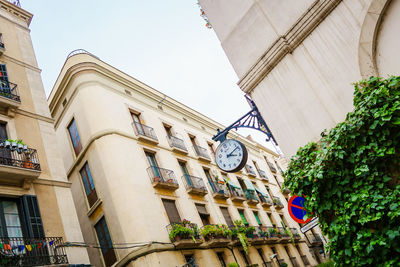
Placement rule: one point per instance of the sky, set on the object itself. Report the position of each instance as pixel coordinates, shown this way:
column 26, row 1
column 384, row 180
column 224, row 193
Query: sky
column 164, row 44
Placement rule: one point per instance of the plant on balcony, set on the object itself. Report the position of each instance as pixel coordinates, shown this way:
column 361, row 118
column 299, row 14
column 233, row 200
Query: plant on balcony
column 179, row 232
column 273, row 232
column 351, row 178
column 283, row 264
column 233, row 264
column 240, row 231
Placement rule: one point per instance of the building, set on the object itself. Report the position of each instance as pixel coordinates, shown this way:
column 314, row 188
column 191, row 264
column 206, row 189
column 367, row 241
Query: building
column 140, row 161
column 37, row 213
column 298, row 59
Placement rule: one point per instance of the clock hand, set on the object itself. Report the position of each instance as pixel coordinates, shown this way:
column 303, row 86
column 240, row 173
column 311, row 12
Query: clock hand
column 230, row 154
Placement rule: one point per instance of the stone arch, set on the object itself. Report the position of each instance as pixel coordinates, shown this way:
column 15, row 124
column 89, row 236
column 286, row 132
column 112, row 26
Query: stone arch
column 367, row 41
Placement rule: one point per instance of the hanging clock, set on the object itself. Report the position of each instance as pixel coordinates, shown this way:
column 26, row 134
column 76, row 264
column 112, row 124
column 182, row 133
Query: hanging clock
column 231, row 155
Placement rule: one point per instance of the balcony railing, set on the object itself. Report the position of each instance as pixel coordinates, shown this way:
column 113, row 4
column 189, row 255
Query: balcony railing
column 144, row 130
column 277, row 203
column 201, row 152
column 272, row 167
column 18, row 157
column 237, row 194
column 175, row 142
column 262, row 174
column 251, row 196
column 250, row 170
column 194, row 184
column 315, row 240
column 162, row 177
column 219, row 190
column 265, row 200
column 9, row 90
column 295, row 233
column 19, row 251
column 305, row 260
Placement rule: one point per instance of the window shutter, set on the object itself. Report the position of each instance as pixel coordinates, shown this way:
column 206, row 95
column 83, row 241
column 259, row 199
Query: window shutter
column 172, row 211
column 202, row 209
column 33, row 218
column 226, row 215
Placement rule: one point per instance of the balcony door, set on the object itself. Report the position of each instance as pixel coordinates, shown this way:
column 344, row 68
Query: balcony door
column 4, row 153
column 4, row 83
column 137, row 123
column 186, row 173
column 153, row 164
column 10, row 221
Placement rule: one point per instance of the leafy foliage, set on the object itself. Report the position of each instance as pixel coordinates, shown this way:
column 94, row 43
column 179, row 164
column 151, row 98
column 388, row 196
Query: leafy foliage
column 241, row 231
column 351, row 178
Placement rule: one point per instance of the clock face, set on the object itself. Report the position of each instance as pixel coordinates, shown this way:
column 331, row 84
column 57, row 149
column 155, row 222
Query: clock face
column 231, row 155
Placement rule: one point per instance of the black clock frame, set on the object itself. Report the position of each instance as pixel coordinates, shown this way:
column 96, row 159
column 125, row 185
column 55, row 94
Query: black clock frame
column 244, row 158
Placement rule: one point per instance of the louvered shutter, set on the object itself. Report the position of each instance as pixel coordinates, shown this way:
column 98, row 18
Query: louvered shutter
column 32, row 215
column 172, row 211
column 227, row 216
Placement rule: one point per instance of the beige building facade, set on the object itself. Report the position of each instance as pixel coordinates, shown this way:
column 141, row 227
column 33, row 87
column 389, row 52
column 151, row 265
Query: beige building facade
column 37, row 213
column 298, row 59
column 140, row 161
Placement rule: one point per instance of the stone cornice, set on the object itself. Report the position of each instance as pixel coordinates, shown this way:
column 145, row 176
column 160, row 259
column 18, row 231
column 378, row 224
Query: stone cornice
column 286, row 44
column 16, row 11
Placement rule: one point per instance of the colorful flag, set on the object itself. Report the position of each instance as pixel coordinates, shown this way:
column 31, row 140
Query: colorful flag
column 28, row 247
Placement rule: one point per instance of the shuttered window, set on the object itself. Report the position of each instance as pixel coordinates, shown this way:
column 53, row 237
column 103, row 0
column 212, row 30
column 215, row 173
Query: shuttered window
column 88, row 183
column 204, row 215
column 241, row 212
column 257, row 218
column 227, row 216
column 4, row 83
column 105, row 241
column 75, row 138
column 172, row 211
column 33, row 219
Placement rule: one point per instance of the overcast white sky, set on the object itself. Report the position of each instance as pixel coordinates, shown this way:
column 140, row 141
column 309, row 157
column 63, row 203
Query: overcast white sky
column 164, row 44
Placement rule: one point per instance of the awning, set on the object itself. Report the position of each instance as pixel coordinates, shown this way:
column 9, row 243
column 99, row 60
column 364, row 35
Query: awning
column 249, row 185
column 262, row 193
column 233, row 185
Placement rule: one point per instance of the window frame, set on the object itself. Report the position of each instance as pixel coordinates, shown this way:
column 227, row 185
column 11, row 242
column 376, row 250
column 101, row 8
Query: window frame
column 78, row 146
column 92, row 195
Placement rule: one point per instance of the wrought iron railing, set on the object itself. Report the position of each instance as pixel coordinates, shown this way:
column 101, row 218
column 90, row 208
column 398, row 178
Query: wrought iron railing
column 18, row 157
column 251, row 195
column 176, row 142
column 201, row 152
column 295, row 233
column 262, row 174
column 283, row 232
column 236, row 192
column 305, row 260
column 219, row 188
column 162, row 175
column 265, row 199
column 277, row 202
column 193, row 182
column 19, row 251
column 144, row 130
column 9, row 90
column 249, row 169
column 272, row 167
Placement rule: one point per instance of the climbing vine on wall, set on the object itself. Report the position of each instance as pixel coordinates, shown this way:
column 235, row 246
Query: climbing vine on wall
column 351, row 178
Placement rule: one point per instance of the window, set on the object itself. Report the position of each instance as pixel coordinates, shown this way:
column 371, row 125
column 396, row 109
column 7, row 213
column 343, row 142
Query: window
column 210, row 180
column 283, row 219
column 105, row 242
column 211, row 146
column 88, row 184
column 221, row 259
column 204, row 215
column 75, row 138
column 4, row 153
column 227, row 216
column 190, row 260
column 186, row 174
column 257, row 218
column 241, row 212
column 137, row 123
column 270, row 219
column 172, row 211
column 151, row 158
column 10, row 225
column 245, row 257
column 4, row 83
column 168, row 130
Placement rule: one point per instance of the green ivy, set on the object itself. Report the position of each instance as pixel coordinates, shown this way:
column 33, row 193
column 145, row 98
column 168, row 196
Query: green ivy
column 351, row 178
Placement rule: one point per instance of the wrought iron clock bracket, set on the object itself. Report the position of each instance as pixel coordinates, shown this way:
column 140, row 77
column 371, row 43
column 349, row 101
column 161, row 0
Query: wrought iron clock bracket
column 252, row 120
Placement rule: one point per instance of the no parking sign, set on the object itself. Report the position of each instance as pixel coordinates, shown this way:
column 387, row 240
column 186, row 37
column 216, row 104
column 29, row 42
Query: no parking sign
column 297, row 210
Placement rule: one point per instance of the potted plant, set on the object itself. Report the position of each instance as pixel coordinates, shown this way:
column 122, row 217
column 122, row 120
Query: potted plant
column 179, row 232
column 27, row 163
column 25, row 148
column 273, row 232
column 14, row 144
column 20, row 145
column 209, row 232
column 7, row 143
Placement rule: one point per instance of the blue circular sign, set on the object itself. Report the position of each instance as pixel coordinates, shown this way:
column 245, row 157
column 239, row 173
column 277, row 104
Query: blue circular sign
column 297, row 210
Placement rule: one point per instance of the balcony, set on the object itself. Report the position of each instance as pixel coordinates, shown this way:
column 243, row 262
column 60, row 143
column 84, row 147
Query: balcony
column 215, row 235
column 250, row 171
column 18, row 166
column 295, row 233
column 177, row 145
column 314, row 240
column 184, row 234
column 265, row 201
column 219, row 190
column 273, row 234
column 262, row 174
column 202, row 153
column 162, row 178
column 294, row 262
column 32, row 251
column 9, row 97
column 237, row 195
column 284, row 235
column 145, row 133
column 277, row 203
column 194, row 185
column 251, row 197
column 271, row 167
